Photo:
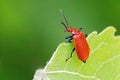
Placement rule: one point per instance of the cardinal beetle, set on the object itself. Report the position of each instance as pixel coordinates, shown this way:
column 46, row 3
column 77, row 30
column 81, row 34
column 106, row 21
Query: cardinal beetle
column 79, row 39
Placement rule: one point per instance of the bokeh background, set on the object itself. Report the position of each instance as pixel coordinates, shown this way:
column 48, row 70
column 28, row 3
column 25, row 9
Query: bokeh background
column 30, row 30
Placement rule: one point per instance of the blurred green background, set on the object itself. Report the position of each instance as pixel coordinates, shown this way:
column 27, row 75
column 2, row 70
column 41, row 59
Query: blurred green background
column 30, row 30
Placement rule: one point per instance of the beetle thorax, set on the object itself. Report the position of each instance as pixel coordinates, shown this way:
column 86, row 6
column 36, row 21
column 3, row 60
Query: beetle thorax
column 74, row 31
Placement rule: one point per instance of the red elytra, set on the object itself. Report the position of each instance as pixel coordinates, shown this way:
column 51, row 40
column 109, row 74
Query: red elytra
column 80, row 44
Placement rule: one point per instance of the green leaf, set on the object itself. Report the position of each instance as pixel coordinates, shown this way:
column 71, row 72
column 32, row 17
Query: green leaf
column 102, row 64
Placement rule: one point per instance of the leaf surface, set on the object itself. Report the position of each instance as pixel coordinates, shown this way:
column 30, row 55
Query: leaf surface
column 102, row 64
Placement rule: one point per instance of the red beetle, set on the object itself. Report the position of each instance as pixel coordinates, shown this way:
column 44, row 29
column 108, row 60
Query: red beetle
column 79, row 38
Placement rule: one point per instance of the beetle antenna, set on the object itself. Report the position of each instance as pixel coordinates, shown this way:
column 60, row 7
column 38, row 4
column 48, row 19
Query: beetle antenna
column 66, row 25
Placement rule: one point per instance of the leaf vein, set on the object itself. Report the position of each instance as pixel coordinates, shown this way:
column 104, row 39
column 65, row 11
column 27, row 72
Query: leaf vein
column 73, row 73
column 105, row 62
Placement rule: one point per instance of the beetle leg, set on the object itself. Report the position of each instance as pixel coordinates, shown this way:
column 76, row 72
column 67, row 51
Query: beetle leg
column 86, row 35
column 69, row 40
column 80, row 29
column 70, row 54
column 68, row 37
